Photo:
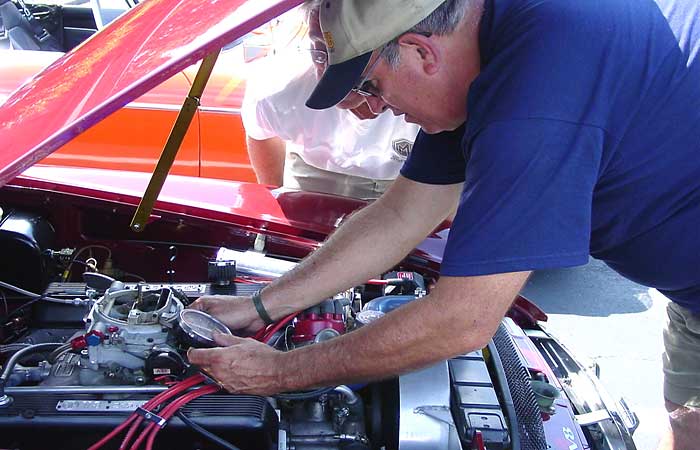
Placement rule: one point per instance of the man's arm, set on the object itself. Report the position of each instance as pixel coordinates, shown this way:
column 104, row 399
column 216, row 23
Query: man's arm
column 267, row 157
column 372, row 240
column 460, row 315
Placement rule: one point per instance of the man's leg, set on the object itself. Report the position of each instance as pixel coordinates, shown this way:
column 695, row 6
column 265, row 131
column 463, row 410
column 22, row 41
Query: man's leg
column 685, row 424
column 681, row 362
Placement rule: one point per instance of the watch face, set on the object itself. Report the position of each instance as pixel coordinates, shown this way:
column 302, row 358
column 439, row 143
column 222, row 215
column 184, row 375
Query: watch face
column 200, row 326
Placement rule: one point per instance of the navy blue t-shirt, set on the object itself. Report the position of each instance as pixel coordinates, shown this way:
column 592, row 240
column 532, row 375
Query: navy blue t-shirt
column 582, row 137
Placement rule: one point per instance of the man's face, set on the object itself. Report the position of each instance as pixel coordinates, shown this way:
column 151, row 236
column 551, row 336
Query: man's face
column 352, row 100
column 421, row 96
column 431, row 83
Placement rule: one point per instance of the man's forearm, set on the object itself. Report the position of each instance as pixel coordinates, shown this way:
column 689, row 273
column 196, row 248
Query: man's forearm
column 267, row 158
column 421, row 333
column 372, row 240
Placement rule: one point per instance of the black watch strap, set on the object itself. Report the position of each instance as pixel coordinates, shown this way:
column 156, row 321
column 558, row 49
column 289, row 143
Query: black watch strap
column 260, row 308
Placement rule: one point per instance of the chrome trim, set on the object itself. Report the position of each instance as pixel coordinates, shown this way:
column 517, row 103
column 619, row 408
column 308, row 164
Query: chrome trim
column 99, row 405
column 592, row 417
column 617, row 432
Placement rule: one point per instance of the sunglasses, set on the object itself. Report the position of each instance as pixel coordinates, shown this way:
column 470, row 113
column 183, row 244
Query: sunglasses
column 365, row 87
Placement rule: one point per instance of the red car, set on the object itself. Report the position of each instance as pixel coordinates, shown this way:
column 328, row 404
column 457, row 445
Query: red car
column 95, row 327
column 132, row 137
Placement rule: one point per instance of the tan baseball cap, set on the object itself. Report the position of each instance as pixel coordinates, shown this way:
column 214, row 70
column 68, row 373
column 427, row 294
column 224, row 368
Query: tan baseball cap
column 353, row 29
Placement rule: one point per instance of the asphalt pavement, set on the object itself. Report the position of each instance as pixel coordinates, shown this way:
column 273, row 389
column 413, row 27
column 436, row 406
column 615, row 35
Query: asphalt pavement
column 618, row 324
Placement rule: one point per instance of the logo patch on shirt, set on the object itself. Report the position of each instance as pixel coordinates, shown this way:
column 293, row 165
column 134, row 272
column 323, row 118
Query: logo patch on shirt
column 330, row 43
column 401, row 149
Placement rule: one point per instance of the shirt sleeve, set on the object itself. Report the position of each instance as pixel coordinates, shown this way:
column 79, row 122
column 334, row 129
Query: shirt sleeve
column 436, row 158
column 256, row 110
column 527, row 198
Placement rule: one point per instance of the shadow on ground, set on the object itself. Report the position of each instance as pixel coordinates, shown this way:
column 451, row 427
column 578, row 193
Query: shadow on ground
column 590, row 290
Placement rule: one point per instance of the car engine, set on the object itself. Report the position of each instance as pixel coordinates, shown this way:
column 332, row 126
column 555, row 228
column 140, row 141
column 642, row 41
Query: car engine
column 87, row 344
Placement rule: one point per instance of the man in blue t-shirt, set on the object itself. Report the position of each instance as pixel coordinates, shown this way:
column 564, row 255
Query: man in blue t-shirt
column 565, row 128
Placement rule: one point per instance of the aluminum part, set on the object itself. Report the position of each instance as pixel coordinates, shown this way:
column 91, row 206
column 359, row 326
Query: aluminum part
column 350, row 396
column 425, row 421
column 99, row 405
column 254, row 263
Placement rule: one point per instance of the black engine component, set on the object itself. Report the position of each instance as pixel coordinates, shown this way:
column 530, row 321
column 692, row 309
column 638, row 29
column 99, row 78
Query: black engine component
column 530, row 431
column 23, row 237
column 221, row 273
column 475, row 402
column 246, row 421
column 165, row 362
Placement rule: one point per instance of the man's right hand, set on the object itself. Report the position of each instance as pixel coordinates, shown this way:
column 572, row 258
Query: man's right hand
column 237, row 313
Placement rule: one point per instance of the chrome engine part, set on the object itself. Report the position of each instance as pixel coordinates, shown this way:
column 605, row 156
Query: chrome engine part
column 124, row 328
column 425, row 418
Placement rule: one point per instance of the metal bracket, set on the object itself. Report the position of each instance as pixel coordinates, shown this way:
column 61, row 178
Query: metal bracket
column 148, row 415
column 5, row 401
column 593, row 417
column 439, row 413
column 177, row 135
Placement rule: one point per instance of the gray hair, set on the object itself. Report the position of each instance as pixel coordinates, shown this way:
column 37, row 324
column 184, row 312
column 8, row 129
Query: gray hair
column 443, row 20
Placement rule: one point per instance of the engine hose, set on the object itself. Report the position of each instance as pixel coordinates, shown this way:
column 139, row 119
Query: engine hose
column 11, row 348
column 304, row 395
column 206, row 433
column 7, row 370
column 59, row 351
column 32, row 295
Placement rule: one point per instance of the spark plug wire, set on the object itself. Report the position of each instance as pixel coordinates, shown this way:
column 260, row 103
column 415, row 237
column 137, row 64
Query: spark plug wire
column 155, row 401
column 172, row 408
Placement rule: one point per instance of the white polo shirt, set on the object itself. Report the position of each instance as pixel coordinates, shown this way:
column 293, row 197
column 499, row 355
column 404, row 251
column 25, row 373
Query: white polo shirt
column 333, row 139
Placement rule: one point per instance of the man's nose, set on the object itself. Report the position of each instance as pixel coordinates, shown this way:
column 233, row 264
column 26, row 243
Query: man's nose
column 376, row 104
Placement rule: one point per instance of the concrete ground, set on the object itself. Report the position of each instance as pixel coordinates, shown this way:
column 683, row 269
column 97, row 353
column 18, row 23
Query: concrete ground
column 616, row 323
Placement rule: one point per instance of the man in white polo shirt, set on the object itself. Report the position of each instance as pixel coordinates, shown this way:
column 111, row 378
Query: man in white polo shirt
column 336, row 150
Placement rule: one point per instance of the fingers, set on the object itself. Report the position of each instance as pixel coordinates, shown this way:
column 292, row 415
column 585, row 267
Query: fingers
column 202, row 356
column 200, row 304
column 226, row 340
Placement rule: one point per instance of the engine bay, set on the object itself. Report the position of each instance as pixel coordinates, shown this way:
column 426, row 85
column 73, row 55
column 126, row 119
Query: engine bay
column 95, row 331
column 86, row 341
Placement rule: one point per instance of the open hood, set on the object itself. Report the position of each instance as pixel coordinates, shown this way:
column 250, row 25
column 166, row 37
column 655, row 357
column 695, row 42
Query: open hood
column 135, row 53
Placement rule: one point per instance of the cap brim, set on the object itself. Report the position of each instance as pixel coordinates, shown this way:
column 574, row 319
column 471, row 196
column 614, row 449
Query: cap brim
column 337, row 81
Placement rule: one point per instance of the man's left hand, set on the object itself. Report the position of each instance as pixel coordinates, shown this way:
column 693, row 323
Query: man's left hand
column 241, row 366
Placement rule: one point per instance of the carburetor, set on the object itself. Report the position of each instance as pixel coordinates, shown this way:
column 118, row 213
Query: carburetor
column 124, row 329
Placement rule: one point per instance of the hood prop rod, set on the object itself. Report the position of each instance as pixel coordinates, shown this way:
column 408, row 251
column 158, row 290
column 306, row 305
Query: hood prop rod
column 177, row 134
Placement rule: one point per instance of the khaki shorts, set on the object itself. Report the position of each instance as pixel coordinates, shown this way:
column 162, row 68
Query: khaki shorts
column 681, row 360
column 300, row 175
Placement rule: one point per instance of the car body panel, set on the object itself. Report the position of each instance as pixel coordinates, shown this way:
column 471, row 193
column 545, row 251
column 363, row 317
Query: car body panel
column 112, row 71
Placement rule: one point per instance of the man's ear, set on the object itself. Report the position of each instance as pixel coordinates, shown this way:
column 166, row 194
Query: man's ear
column 422, row 48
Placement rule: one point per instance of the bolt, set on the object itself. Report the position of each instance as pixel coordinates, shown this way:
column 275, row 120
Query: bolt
column 341, row 413
column 5, row 400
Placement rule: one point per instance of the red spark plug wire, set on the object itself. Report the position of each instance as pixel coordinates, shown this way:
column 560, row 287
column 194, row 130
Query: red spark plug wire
column 155, row 401
column 149, row 433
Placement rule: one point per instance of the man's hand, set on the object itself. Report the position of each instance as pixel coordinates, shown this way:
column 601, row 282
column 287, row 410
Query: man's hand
column 243, row 366
column 237, row 313
column 363, row 112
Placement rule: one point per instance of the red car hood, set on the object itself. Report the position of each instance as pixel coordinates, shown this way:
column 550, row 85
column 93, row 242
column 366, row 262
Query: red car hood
column 132, row 55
